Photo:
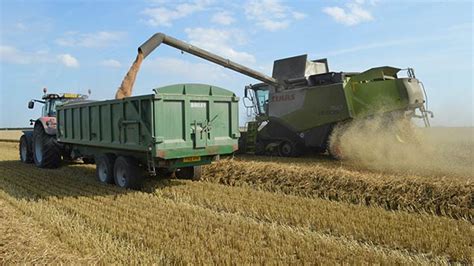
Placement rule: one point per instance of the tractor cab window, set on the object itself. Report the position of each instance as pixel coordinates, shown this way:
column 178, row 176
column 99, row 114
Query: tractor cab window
column 52, row 108
column 261, row 94
column 49, row 108
column 45, row 111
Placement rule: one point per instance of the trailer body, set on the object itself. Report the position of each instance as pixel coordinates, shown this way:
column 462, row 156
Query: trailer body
column 178, row 126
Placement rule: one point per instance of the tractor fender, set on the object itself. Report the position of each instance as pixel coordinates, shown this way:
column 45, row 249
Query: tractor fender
column 48, row 124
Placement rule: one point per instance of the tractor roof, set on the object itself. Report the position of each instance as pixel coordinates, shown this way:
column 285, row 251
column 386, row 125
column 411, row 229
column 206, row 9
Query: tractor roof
column 64, row 96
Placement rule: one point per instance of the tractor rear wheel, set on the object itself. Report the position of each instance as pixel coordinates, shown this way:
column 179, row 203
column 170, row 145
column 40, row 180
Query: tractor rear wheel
column 104, row 169
column 26, row 155
column 46, row 153
column 191, row 173
column 127, row 174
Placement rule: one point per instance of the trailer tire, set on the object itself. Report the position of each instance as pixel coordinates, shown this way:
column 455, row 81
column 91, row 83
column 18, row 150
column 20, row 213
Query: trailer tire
column 46, row 153
column 127, row 174
column 104, row 170
column 26, row 155
column 191, row 173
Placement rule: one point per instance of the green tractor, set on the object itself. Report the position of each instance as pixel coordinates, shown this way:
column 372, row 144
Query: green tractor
column 298, row 108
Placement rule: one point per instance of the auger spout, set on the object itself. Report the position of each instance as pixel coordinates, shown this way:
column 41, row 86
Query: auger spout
column 156, row 40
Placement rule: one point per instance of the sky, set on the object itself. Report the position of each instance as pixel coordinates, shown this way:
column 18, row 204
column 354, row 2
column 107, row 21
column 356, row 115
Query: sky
column 76, row 46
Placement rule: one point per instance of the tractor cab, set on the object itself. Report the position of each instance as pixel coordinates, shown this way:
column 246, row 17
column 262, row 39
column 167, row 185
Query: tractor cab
column 51, row 100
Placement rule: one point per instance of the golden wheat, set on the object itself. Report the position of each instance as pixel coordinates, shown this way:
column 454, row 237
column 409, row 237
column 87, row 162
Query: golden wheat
column 75, row 219
column 439, row 196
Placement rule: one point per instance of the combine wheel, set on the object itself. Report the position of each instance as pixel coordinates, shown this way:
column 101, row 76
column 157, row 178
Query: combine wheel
column 287, row 149
column 191, row 173
column 334, row 146
column 127, row 174
column 104, row 170
column 46, row 153
column 88, row 160
column 26, row 155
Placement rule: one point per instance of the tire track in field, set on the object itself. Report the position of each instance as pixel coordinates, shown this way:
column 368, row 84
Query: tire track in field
column 88, row 190
column 383, row 253
column 92, row 202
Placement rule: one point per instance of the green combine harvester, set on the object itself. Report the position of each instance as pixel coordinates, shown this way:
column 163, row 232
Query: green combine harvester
column 297, row 109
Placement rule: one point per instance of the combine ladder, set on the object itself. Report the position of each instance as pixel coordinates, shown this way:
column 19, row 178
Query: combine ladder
column 251, row 139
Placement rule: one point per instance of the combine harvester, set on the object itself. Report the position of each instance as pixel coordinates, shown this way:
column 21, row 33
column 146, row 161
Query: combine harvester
column 298, row 108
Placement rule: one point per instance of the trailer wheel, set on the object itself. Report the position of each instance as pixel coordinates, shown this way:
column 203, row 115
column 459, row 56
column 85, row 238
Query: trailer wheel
column 26, row 155
column 127, row 174
column 191, row 173
column 104, row 169
column 46, row 153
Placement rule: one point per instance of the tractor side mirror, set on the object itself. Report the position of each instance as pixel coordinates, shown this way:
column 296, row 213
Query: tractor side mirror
column 31, row 104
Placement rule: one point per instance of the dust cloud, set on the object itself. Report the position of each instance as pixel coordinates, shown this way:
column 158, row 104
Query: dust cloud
column 126, row 88
column 400, row 146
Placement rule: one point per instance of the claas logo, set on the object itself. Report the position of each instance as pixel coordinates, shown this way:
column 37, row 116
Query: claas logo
column 283, row 98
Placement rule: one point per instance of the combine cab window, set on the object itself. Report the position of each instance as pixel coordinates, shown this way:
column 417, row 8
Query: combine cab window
column 262, row 99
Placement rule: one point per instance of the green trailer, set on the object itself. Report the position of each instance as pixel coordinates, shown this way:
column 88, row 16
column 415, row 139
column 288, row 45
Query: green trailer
column 175, row 130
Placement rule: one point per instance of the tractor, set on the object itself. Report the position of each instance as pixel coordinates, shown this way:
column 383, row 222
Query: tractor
column 39, row 146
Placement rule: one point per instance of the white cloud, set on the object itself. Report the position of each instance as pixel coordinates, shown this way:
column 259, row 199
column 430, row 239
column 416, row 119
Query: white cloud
column 68, row 60
column 194, row 72
column 164, row 16
column 90, row 40
column 10, row 54
column 219, row 42
column 111, row 63
column 223, row 18
column 13, row 55
column 298, row 15
column 383, row 44
column 353, row 13
column 21, row 26
column 271, row 15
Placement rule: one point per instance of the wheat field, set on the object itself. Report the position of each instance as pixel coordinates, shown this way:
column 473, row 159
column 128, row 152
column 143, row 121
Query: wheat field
column 247, row 210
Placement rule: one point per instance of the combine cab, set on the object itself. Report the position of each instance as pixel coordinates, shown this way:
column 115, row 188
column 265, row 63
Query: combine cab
column 40, row 146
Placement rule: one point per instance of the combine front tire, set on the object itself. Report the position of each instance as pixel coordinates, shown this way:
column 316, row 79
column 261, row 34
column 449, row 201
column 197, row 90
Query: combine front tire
column 127, row 174
column 46, row 153
column 26, row 155
column 191, row 173
column 104, row 169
